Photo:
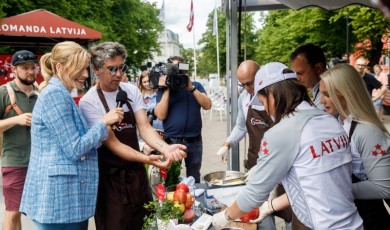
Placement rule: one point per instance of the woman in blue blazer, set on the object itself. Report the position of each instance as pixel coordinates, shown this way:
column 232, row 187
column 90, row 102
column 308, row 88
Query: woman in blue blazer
column 61, row 184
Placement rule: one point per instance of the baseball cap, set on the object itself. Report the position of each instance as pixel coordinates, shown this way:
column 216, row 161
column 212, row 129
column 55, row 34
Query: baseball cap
column 23, row 56
column 269, row 74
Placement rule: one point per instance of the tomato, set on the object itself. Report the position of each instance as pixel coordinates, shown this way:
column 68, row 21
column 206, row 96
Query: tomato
column 183, row 187
column 250, row 215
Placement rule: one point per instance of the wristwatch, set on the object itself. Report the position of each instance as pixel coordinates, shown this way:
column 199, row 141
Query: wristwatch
column 193, row 89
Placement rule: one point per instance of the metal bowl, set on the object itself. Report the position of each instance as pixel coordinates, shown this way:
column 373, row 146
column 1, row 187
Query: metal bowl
column 210, row 178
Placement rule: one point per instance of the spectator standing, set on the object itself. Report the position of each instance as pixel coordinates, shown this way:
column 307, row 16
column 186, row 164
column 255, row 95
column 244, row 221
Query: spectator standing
column 179, row 109
column 123, row 183
column 15, row 126
column 382, row 77
column 370, row 81
column 149, row 96
column 344, row 93
column 308, row 62
column 317, row 182
column 62, row 178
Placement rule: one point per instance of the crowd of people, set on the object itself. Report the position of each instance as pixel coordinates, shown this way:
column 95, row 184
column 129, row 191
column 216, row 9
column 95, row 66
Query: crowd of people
column 317, row 158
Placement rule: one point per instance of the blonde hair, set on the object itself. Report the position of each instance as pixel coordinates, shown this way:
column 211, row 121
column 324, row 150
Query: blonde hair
column 144, row 74
column 71, row 56
column 343, row 80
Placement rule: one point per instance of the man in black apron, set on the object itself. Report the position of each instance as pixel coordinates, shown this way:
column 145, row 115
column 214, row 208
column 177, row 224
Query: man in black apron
column 123, row 184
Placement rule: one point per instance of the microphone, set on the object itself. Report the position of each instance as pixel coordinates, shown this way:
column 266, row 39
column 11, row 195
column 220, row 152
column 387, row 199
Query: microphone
column 121, row 98
column 172, row 70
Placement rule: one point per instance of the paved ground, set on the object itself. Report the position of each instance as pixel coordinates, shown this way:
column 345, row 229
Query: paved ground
column 214, row 133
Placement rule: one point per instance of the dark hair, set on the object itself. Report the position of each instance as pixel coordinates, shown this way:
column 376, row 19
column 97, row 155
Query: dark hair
column 288, row 94
column 175, row 58
column 313, row 54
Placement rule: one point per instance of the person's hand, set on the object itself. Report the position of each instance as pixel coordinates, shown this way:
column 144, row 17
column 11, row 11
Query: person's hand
column 223, row 152
column 162, row 81
column 248, row 175
column 156, row 160
column 113, row 116
column 175, row 152
column 147, row 150
column 190, row 86
column 264, row 211
column 219, row 220
column 24, row 119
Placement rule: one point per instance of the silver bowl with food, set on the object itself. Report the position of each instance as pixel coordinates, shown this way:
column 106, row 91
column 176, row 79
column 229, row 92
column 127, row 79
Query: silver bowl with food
column 224, row 179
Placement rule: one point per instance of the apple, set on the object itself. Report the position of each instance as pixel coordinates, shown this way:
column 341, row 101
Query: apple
column 183, row 187
column 170, row 196
column 182, row 207
column 180, row 196
column 189, row 201
column 189, row 215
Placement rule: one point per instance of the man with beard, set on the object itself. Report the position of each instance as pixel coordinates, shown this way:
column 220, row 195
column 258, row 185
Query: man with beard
column 17, row 100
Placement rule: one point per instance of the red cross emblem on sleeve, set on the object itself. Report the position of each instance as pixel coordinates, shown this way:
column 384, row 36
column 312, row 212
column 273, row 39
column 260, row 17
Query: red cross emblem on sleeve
column 261, row 82
column 263, row 148
column 378, row 150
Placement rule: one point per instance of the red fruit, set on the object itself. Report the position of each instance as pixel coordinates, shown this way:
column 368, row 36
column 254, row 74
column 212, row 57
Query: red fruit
column 183, row 187
column 189, row 215
column 250, row 215
column 180, row 196
column 190, row 200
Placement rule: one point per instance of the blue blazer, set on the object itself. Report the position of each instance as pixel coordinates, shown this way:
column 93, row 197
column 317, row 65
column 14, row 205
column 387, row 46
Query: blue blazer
column 62, row 177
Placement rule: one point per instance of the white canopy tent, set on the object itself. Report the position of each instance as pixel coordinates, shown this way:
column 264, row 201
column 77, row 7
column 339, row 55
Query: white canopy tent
column 231, row 8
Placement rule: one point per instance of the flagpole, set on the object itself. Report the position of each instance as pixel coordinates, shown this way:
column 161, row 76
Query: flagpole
column 216, row 31
column 193, row 39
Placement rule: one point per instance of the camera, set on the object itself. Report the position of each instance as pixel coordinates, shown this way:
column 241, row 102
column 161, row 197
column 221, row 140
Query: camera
column 177, row 77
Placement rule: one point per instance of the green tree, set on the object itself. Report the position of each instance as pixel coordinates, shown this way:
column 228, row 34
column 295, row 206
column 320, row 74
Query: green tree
column 133, row 23
column 285, row 30
column 366, row 23
column 207, row 61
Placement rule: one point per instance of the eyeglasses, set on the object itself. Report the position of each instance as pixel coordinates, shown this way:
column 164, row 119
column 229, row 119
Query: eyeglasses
column 113, row 69
column 249, row 83
column 26, row 57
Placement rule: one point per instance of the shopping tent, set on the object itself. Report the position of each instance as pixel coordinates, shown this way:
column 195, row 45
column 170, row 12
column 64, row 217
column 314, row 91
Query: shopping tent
column 39, row 28
column 43, row 29
column 232, row 7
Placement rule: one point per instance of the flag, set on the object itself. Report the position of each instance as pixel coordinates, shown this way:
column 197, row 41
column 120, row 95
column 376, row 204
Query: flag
column 215, row 22
column 191, row 23
column 161, row 16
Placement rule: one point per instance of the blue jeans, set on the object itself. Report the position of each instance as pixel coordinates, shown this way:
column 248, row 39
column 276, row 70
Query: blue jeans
column 193, row 161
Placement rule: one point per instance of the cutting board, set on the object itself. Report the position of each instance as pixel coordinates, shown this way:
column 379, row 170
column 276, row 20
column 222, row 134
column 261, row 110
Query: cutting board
column 244, row 226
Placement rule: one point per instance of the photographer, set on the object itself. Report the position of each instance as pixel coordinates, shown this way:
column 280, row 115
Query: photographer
column 179, row 109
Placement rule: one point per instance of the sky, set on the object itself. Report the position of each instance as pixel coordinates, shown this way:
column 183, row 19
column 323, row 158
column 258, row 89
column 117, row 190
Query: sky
column 177, row 16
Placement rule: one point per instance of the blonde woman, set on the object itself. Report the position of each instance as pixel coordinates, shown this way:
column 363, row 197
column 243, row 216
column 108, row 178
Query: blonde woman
column 61, row 185
column 149, row 96
column 344, row 93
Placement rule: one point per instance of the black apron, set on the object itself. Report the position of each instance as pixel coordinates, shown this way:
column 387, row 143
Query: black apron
column 123, row 185
column 373, row 212
column 257, row 122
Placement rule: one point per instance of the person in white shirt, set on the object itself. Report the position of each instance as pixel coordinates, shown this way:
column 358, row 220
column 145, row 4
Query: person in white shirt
column 306, row 149
column 344, row 93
